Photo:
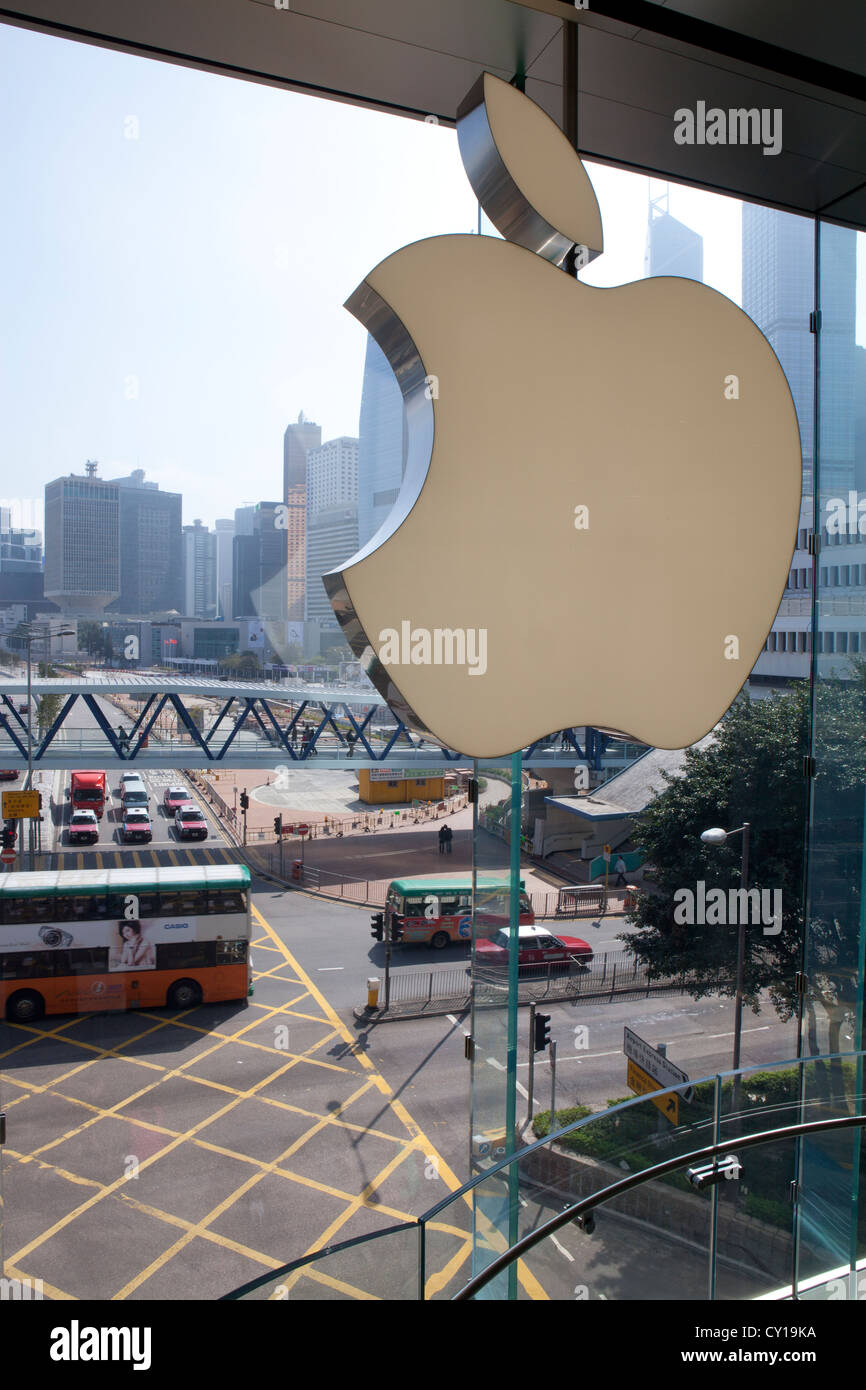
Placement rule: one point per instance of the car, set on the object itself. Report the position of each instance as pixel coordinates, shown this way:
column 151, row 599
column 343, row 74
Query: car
column 536, row 946
column 8, row 774
column 83, row 828
column 190, row 824
column 174, row 798
column 136, row 824
column 127, row 778
column 135, row 794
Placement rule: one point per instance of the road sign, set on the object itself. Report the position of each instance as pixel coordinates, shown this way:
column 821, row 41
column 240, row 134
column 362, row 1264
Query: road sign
column 644, row 1084
column 605, row 854
column 7, row 856
column 20, row 805
column 650, row 1060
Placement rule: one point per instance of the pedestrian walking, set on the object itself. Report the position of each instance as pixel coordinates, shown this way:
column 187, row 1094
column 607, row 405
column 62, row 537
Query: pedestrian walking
column 619, row 870
column 448, row 838
column 443, row 835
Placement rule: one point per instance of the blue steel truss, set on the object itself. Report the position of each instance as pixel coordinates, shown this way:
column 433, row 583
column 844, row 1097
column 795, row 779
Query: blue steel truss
column 319, row 728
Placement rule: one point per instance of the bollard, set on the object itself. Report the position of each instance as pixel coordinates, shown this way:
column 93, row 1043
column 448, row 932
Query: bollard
column 372, row 992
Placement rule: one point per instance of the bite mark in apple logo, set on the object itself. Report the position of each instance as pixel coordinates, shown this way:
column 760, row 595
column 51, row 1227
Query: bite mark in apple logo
column 647, row 621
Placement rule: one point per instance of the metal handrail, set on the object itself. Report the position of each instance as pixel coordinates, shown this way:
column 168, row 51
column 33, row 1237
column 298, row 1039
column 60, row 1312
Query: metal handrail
column 658, row 1170
column 283, row 1270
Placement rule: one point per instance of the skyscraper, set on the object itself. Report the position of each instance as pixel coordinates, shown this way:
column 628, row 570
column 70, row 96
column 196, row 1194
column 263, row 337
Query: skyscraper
column 151, row 548
column 259, row 567
column 297, row 440
column 672, row 248
column 225, row 534
column 82, row 542
column 332, row 537
column 332, row 519
column 332, row 474
column 382, row 443
column 199, row 571
column 779, row 294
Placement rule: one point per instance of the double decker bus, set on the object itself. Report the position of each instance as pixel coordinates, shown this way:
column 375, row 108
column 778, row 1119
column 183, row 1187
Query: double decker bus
column 95, row 939
column 437, row 909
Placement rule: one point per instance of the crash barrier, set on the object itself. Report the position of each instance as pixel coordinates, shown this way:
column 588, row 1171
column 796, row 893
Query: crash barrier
column 438, row 989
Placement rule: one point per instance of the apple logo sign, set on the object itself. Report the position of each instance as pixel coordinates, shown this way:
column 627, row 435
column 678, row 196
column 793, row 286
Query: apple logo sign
column 602, row 486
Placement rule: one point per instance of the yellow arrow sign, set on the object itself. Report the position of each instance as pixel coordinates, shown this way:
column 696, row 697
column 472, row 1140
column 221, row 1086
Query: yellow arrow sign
column 20, row 805
column 644, row 1084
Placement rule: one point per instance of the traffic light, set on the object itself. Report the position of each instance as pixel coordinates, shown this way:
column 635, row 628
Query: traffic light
column 245, row 801
column 541, row 1039
column 377, row 928
column 397, row 928
column 9, row 834
column 278, row 826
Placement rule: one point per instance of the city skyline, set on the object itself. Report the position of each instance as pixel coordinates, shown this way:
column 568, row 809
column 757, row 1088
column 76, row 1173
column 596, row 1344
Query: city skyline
column 192, row 294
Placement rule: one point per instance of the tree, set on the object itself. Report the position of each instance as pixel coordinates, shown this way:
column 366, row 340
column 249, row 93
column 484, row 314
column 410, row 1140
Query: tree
column 752, row 771
column 243, row 663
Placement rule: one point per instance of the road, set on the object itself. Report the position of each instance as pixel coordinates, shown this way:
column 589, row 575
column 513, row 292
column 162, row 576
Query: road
column 253, row 1148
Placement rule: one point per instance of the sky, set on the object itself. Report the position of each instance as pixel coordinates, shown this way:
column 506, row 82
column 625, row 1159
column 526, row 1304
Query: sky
column 177, row 247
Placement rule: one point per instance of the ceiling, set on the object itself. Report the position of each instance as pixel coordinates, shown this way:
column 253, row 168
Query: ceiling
column 639, row 62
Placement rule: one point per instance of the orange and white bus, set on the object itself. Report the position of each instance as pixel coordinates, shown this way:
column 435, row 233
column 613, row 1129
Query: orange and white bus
column 94, row 939
column 437, row 909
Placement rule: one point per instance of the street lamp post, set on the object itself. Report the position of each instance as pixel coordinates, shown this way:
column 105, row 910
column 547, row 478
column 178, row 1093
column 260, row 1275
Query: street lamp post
column 717, row 836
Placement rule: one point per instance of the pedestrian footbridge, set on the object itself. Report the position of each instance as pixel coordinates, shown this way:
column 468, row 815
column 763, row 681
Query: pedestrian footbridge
column 189, row 722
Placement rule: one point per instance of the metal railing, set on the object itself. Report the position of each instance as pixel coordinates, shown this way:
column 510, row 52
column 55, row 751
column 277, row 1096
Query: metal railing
column 730, row 1242
column 413, row 992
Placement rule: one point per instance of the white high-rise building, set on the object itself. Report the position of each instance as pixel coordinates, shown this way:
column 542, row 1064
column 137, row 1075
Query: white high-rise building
column 332, row 474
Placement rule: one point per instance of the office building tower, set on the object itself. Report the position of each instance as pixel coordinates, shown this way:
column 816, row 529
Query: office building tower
column 20, row 549
column 82, row 542
column 332, row 538
column 199, row 571
column 225, row 534
column 151, row 548
column 259, row 567
column 297, row 440
column 779, row 295
column 672, row 248
column 244, row 520
column 382, row 443
column 332, row 474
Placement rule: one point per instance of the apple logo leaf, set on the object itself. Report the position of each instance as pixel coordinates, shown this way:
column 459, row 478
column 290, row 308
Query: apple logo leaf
column 525, row 174
column 595, row 525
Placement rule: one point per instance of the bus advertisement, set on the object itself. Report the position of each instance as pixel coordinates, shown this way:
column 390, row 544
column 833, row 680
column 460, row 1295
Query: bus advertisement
column 97, row 939
column 437, row 910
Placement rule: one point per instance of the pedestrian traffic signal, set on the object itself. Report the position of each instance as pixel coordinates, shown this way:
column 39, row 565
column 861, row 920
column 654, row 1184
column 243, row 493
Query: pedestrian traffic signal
column 397, row 929
column 9, row 834
column 541, row 1040
column 377, row 930
column 245, row 801
column 278, row 826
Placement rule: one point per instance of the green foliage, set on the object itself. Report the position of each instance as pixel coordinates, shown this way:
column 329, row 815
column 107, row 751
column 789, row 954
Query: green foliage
column 753, row 771
column 541, row 1123
column 768, row 1209
column 244, row 664
column 47, row 710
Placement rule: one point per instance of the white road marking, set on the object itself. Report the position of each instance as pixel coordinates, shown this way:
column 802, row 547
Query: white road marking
column 457, row 1024
column 331, row 967
column 562, row 1250
column 494, row 1062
